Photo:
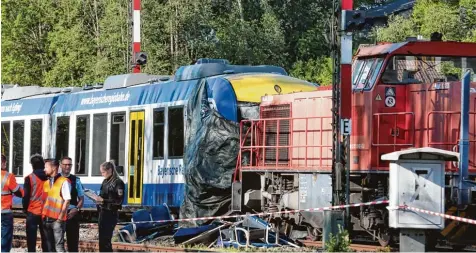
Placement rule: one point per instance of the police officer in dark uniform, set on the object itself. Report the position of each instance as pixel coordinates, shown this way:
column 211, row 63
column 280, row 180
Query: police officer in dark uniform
column 109, row 202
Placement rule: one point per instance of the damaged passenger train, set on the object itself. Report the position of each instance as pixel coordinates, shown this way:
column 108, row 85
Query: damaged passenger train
column 137, row 120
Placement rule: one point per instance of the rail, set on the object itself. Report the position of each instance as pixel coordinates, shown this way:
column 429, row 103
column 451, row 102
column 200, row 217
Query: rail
column 278, row 143
column 353, row 246
column 91, row 246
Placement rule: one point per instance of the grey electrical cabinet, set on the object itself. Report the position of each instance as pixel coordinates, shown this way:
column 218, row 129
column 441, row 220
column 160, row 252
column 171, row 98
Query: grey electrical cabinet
column 417, row 179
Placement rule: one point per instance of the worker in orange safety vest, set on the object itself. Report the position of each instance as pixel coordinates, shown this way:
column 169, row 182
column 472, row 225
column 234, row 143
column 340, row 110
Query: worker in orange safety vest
column 54, row 213
column 33, row 201
column 9, row 187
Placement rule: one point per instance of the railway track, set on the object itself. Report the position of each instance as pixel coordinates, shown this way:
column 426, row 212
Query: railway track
column 93, row 246
column 354, row 247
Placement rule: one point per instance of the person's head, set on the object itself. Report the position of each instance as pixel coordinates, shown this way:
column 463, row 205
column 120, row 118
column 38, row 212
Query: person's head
column 108, row 169
column 66, row 165
column 51, row 167
column 4, row 162
column 37, row 162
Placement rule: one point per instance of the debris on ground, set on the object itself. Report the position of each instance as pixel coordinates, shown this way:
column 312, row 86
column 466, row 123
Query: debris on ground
column 249, row 232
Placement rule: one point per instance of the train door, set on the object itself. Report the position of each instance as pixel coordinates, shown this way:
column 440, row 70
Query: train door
column 136, row 157
column 393, row 124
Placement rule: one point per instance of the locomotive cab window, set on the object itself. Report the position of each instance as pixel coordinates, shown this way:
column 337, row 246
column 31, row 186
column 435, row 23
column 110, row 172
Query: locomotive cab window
column 365, row 72
column 404, row 69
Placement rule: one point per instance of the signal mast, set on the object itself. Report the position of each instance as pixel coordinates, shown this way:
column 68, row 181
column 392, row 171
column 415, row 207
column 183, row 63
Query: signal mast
column 138, row 58
column 341, row 46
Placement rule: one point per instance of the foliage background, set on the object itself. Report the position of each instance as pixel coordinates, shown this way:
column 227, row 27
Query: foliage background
column 76, row 42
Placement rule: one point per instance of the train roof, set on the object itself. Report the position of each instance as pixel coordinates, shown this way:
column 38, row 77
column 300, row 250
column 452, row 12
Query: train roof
column 251, row 87
column 151, row 93
column 436, row 48
column 225, row 85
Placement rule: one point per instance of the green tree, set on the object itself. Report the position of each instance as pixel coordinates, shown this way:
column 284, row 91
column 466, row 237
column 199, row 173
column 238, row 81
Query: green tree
column 456, row 20
column 318, row 71
column 398, row 29
column 25, row 28
column 304, row 22
column 109, row 27
column 156, row 39
column 70, row 45
column 250, row 42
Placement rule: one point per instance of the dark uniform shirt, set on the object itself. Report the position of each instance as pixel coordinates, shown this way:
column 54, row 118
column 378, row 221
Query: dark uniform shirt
column 112, row 191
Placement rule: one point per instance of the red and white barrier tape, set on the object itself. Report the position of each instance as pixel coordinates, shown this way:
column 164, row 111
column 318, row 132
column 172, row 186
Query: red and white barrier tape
column 446, row 216
column 264, row 213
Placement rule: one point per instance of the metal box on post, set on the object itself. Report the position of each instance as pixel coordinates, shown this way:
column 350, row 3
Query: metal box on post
column 417, row 179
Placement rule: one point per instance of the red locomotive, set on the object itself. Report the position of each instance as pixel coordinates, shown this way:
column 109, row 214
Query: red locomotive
column 405, row 95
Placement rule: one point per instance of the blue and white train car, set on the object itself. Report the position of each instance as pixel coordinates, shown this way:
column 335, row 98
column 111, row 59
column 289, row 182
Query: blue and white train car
column 135, row 121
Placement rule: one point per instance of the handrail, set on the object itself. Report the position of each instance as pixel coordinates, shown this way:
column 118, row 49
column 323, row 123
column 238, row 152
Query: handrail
column 260, row 128
column 429, row 129
column 242, row 141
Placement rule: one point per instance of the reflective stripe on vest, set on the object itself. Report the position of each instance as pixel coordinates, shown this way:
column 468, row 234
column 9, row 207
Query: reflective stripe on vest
column 7, row 197
column 4, row 181
column 54, row 201
column 36, row 203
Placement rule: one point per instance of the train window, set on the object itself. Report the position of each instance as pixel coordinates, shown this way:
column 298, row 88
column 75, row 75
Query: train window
column 99, row 142
column 6, row 139
column 62, row 136
column 118, row 139
column 36, row 131
column 159, row 123
column 82, row 145
column 18, row 143
column 356, row 70
column 365, row 73
column 176, row 132
column 413, row 69
column 373, row 76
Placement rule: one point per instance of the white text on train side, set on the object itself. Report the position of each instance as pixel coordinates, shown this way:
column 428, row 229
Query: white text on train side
column 13, row 108
column 105, row 99
column 169, row 171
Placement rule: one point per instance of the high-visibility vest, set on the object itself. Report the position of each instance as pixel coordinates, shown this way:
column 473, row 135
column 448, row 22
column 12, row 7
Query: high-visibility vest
column 37, row 196
column 9, row 186
column 54, row 201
